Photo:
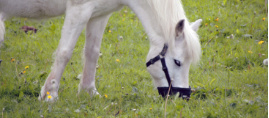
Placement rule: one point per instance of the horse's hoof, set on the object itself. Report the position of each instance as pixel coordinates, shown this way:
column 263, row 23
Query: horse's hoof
column 95, row 93
column 91, row 91
column 265, row 62
column 49, row 94
column 48, row 97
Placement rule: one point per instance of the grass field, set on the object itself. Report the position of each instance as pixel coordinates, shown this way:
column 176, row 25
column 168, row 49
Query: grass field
column 229, row 81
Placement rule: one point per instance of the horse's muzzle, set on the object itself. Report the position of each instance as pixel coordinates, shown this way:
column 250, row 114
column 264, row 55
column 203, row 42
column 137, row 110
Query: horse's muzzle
column 185, row 93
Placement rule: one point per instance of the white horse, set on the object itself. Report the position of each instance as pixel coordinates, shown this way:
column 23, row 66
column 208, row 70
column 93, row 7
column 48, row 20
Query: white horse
column 164, row 22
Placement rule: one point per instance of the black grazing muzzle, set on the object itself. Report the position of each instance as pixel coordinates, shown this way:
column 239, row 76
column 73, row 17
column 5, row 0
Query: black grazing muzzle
column 185, row 93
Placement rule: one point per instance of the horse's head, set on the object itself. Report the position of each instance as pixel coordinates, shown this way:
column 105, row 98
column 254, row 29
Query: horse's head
column 171, row 63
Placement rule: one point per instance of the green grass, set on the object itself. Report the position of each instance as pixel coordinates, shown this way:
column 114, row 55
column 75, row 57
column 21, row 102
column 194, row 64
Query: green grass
column 228, row 81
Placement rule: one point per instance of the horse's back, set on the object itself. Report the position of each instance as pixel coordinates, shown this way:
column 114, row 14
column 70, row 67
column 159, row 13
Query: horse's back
column 35, row 9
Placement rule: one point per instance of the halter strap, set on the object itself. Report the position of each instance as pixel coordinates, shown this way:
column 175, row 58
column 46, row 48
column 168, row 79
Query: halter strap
column 164, row 67
column 153, row 60
column 184, row 92
column 165, row 70
column 158, row 57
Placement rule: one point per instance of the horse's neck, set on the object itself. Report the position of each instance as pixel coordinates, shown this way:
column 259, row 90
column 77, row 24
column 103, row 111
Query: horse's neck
column 152, row 27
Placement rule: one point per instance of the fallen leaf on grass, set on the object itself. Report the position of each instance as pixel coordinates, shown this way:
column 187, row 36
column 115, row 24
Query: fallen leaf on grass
column 28, row 28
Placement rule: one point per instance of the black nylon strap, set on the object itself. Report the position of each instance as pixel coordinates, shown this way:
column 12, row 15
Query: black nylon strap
column 165, row 70
column 157, row 58
column 165, row 47
column 152, row 61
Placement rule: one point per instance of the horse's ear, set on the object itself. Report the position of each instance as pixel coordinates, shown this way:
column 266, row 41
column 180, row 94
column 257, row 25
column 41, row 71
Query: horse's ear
column 195, row 25
column 179, row 27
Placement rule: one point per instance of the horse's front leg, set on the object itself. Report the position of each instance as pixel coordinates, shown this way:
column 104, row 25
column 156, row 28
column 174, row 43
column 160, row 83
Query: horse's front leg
column 94, row 34
column 75, row 20
column 2, row 28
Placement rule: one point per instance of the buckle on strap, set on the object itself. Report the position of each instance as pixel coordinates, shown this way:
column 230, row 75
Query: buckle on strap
column 158, row 57
column 153, row 60
column 165, row 47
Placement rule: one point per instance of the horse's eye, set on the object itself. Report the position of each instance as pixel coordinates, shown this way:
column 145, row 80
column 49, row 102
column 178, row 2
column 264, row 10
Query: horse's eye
column 177, row 62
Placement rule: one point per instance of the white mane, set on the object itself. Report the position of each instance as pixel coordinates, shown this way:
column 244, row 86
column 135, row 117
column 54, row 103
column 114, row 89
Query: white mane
column 168, row 13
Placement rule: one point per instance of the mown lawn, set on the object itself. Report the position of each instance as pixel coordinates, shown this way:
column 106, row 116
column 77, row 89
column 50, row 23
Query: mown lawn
column 229, row 81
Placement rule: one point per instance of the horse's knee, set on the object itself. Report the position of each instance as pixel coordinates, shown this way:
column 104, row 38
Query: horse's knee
column 63, row 55
column 92, row 52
